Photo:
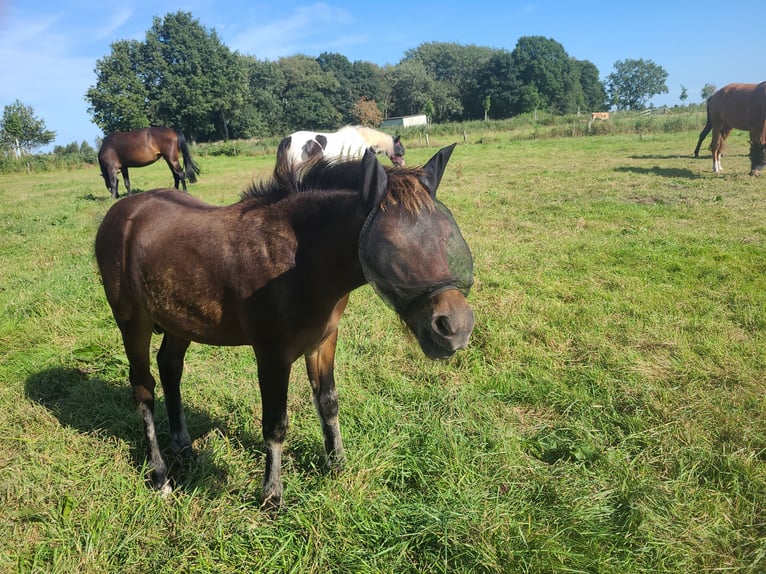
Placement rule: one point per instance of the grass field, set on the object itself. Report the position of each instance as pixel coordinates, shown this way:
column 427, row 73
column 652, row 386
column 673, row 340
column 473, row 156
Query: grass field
column 608, row 416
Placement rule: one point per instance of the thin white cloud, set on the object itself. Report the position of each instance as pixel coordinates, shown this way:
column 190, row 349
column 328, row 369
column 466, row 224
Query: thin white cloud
column 114, row 23
column 306, row 28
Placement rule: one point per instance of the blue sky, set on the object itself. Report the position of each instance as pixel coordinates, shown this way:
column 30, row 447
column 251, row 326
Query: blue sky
column 48, row 49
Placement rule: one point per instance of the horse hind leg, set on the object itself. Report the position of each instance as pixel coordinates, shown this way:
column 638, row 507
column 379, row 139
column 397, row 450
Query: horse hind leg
column 136, row 336
column 716, row 145
column 319, row 366
column 170, row 361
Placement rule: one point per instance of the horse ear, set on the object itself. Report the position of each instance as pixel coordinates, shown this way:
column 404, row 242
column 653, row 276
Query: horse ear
column 434, row 169
column 374, row 180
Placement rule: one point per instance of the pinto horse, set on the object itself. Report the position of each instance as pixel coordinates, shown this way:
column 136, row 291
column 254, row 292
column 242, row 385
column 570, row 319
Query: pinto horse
column 741, row 107
column 347, row 143
column 274, row 272
column 139, row 148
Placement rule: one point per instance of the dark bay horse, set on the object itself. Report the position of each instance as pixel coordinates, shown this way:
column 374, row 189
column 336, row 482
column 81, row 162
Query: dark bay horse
column 139, row 148
column 739, row 107
column 274, row 272
column 348, row 142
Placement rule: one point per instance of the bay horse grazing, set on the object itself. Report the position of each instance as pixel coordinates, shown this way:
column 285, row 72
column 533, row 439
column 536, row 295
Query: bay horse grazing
column 740, row 107
column 274, row 272
column 347, row 143
column 139, row 148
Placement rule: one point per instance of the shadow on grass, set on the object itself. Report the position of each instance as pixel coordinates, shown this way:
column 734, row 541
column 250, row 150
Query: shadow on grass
column 93, row 405
column 672, row 172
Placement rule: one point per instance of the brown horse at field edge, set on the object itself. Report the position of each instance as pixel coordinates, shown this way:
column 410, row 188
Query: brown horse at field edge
column 139, row 148
column 741, row 107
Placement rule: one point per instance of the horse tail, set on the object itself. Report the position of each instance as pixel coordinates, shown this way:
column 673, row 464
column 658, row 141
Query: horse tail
column 705, row 131
column 190, row 168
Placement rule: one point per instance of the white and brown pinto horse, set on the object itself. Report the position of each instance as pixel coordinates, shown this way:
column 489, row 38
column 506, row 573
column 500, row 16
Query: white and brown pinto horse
column 349, row 142
column 740, row 107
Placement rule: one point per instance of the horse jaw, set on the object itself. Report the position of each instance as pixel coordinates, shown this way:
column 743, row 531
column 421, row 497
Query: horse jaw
column 443, row 325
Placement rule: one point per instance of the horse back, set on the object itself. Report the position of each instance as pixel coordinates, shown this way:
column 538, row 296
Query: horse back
column 734, row 104
column 137, row 148
column 192, row 268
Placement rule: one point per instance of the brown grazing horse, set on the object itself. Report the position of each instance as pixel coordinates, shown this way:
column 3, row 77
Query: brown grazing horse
column 740, row 107
column 139, row 148
column 274, row 272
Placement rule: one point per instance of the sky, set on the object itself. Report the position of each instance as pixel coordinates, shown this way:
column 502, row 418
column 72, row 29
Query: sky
column 49, row 48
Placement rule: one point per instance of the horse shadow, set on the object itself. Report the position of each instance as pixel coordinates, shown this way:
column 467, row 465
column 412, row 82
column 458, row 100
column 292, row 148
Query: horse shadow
column 93, row 405
column 671, row 172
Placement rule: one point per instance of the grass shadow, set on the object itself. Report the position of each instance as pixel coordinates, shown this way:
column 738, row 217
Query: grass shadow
column 671, row 172
column 93, row 405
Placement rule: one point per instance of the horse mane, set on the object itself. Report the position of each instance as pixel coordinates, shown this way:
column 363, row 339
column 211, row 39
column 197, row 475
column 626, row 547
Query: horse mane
column 379, row 140
column 404, row 187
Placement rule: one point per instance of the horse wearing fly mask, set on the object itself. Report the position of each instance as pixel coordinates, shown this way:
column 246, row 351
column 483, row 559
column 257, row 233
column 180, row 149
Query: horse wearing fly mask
column 274, row 271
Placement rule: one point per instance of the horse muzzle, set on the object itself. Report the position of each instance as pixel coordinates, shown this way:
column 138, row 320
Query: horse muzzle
column 443, row 324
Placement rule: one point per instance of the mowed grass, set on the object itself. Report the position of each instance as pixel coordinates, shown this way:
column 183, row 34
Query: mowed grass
column 609, row 414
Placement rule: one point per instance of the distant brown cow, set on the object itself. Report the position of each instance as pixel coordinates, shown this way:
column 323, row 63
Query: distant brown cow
column 599, row 116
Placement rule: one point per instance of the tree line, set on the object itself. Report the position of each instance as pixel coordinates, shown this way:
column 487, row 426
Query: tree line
column 182, row 75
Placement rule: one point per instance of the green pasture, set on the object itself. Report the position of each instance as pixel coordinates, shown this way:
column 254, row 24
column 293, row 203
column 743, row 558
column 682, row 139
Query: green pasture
column 609, row 415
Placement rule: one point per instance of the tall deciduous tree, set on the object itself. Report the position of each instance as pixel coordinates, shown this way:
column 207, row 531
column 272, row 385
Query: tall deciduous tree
column 120, row 100
column 180, row 76
column 543, row 67
column 21, row 130
column 307, row 94
column 634, row 82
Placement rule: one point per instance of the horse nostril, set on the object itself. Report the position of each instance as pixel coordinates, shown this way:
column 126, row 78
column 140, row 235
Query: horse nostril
column 443, row 326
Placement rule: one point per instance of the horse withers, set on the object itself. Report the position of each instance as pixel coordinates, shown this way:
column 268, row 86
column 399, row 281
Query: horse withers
column 139, row 148
column 274, row 272
column 349, row 142
column 740, row 107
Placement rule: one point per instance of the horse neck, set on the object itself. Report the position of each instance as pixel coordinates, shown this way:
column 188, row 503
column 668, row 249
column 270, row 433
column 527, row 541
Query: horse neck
column 327, row 226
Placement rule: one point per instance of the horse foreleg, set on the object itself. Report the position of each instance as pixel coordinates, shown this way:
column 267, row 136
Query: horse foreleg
column 273, row 378
column 170, row 360
column 136, row 336
column 126, row 179
column 758, row 150
column 320, row 368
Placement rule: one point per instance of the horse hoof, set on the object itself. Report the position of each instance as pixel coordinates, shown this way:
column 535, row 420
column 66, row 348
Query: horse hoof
column 272, row 503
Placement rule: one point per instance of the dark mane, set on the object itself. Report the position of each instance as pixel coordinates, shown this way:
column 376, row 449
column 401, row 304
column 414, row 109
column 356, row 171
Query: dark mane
column 404, row 184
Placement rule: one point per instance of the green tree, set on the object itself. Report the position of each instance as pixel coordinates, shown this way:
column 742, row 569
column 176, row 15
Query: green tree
column 194, row 81
column 411, row 88
column 264, row 105
column 594, row 94
column 22, row 131
column 120, row 99
column 307, row 95
column 684, row 93
column 633, row 82
column 453, row 68
column 497, row 81
column 180, row 76
column 543, row 64
column 707, row 91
